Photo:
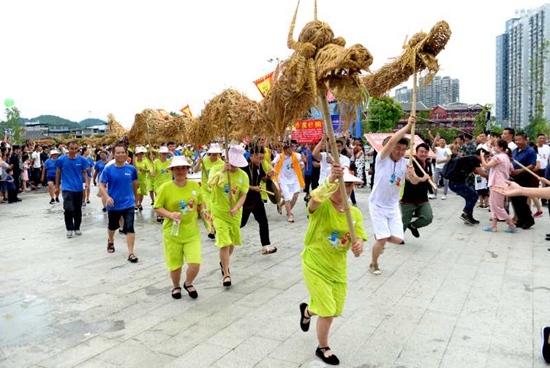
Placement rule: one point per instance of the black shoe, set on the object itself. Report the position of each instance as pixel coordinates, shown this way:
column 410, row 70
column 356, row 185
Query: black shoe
column 228, row 282
column 528, row 225
column 120, row 231
column 545, row 348
column 104, row 209
column 519, row 224
column 57, row 199
column 467, row 220
column 402, row 242
column 192, row 294
column 88, row 201
column 331, row 360
column 304, row 326
column 178, row 294
column 414, row 231
column 211, row 236
column 548, row 235
column 19, row 200
column 52, row 201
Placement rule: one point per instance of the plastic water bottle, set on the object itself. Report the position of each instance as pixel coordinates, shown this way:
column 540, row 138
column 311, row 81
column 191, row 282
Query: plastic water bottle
column 175, row 231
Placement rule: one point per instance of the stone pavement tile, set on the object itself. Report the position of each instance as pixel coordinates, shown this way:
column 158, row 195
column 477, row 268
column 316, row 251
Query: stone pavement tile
column 451, row 297
column 175, row 325
column 96, row 363
column 202, row 355
column 502, row 358
column 133, row 327
column 258, row 297
column 16, row 356
column 269, row 362
column 134, row 354
column 461, row 356
column 151, row 337
column 186, row 340
column 299, row 348
column 79, row 353
column 248, row 354
column 427, row 344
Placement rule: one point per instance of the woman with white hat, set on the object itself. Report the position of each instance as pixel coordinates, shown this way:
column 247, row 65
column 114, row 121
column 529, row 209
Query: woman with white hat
column 324, row 261
column 227, row 219
column 143, row 167
column 160, row 171
column 204, row 166
column 177, row 202
column 49, row 174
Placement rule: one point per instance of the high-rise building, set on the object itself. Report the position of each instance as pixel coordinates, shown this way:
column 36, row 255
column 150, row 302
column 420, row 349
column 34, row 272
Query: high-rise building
column 440, row 91
column 523, row 68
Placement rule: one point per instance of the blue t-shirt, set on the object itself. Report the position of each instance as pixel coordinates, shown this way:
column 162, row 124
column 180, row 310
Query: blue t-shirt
column 90, row 166
column 120, row 185
column 50, row 166
column 71, row 172
column 99, row 166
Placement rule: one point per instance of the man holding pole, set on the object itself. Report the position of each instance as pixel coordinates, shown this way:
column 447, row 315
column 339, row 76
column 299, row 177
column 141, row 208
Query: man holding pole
column 415, row 195
column 391, row 169
column 527, row 157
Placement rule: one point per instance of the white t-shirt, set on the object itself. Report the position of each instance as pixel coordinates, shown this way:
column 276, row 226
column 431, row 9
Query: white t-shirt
column 326, row 167
column 480, row 182
column 287, row 174
column 512, row 146
column 442, row 154
column 36, row 163
column 389, row 178
column 544, row 153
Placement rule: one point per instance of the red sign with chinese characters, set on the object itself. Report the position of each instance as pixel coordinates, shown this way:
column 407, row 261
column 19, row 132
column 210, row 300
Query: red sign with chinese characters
column 376, row 139
column 307, row 131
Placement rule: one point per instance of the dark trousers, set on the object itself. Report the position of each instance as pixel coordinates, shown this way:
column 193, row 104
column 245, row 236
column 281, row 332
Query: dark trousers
column 522, row 210
column 36, row 173
column 258, row 210
column 469, row 195
column 307, row 180
column 12, row 196
column 72, row 204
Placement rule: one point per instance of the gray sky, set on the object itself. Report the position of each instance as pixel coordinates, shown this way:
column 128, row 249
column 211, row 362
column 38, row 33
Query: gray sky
column 80, row 59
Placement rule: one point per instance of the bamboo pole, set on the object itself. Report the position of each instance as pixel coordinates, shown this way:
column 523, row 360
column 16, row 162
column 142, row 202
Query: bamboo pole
column 539, row 178
column 413, row 112
column 424, row 172
column 227, row 160
column 323, row 103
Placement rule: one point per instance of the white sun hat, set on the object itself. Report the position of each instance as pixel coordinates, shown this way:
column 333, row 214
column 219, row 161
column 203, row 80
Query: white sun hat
column 178, row 161
column 350, row 178
column 54, row 152
column 164, row 149
column 214, row 148
column 141, row 149
column 236, row 156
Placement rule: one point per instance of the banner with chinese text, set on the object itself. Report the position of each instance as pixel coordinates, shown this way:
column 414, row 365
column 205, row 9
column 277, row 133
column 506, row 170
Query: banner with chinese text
column 307, row 131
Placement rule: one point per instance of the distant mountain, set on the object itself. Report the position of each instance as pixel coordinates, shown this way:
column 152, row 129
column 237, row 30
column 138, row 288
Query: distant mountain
column 52, row 120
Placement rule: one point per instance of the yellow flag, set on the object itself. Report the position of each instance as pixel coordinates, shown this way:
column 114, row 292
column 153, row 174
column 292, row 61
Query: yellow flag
column 264, row 84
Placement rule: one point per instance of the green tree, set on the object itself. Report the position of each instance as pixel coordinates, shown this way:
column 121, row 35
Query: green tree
column 537, row 123
column 480, row 122
column 383, row 114
column 12, row 124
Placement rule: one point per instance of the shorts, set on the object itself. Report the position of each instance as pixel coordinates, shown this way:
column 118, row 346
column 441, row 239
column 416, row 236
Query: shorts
column 114, row 220
column 483, row 192
column 386, row 223
column 228, row 233
column 288, row 190
column 50, row 179
column 327, row 297
column 175, row 250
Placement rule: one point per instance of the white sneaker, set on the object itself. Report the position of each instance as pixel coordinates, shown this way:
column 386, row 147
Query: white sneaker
column 374, row 269
column 78, row 232
column 443, row 197
column 432, row 196
column 69, row 234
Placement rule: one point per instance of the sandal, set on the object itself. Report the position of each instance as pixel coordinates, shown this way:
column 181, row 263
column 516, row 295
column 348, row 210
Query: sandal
column 279, row 208
column 290, row 218
column 304, row 325
column 193, row 294
column 178, row 294
column 140, row 207
column 160, row 219
column 227, row 283
column 110, row 247
column 331, row 359
column 269, row 250
column 132, row 258
column 512, row 230
column 489, row 230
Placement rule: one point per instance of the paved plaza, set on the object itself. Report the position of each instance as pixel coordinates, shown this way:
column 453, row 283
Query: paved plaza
column 456, row 297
